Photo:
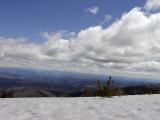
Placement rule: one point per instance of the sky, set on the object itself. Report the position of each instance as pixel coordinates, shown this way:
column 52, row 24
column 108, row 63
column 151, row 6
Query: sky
column 113, row 36
column 27, row 18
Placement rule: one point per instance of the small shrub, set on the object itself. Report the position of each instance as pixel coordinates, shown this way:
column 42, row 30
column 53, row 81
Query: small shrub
column 108, row 90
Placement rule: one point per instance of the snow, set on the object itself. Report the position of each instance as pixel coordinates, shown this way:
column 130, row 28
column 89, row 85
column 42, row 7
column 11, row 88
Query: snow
column 143, row 107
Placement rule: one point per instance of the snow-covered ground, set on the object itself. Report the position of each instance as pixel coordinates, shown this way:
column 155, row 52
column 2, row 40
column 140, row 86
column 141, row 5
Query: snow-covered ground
column 146, row 107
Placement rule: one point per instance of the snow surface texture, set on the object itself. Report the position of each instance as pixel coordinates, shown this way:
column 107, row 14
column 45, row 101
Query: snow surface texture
column 145, row 107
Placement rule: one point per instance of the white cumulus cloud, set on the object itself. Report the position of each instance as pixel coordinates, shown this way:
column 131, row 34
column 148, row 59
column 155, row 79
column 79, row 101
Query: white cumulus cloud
column 152, row 5
column 130, row 44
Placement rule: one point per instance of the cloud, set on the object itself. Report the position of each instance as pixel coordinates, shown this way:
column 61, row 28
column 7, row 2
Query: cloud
column 93, row 10
column 107, row 18
column 152, row 5
column 130, row 44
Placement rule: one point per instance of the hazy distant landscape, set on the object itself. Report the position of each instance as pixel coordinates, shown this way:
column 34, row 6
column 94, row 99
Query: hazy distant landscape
column 27, row 82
